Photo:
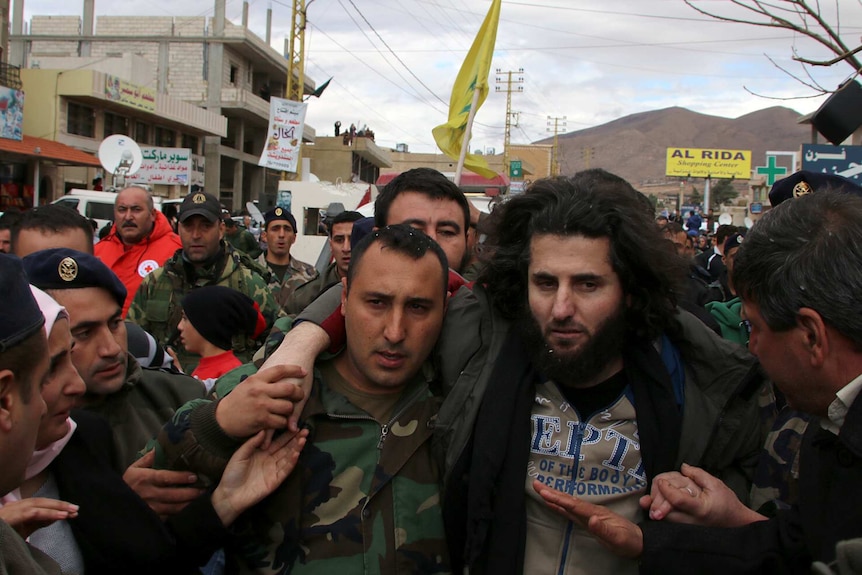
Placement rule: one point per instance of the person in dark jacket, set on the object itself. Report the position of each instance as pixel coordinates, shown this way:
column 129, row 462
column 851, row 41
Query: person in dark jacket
column 797, row 273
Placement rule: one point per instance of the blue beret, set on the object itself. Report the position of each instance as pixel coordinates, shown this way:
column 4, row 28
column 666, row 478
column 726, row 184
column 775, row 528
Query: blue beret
column 279, row 213
column 21, row 315
column 804, row 182
column 734, row 241
column 64, row 268
column 361, row 228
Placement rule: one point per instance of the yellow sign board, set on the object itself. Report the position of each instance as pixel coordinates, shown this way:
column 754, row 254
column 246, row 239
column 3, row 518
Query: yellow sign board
column 703, row 163
column 129, row 94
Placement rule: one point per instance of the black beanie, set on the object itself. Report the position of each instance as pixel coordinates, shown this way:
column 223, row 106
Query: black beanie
column 219, row 313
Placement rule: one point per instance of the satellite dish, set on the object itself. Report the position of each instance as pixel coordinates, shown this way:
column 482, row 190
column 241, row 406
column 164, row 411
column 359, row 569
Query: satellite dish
column 254, row 212
column 120, row 156
column 748, row 222
column 725, row 219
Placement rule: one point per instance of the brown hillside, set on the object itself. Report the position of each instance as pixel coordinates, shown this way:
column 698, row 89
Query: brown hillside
column 634, row 147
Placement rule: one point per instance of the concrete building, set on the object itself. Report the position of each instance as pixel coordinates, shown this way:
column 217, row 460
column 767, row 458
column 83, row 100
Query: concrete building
column 333, row 159
column 81, row 107
column 208, row 62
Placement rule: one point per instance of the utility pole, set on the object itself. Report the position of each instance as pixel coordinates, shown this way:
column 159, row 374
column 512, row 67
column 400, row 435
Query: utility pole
column 559, row 125
column 295, row 88
column 587, row 155
column 509, row 81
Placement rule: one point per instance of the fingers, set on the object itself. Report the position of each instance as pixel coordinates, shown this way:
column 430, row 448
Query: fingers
column 146, row 461
column 573, row 507
column 700, row 477
column 272, row 374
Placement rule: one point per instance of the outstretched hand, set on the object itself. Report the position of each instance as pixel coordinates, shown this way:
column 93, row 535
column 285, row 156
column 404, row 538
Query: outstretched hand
column 695, row 497
column 254, row 472
column 28, row 515
column 612, row 530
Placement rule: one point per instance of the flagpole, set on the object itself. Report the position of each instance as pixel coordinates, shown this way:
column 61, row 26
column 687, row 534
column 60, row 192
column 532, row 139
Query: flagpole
column 465, row 143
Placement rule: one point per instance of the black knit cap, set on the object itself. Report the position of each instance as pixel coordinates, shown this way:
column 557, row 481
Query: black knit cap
column 804, row 182
column 21, row 315
column 219, row 313
column 64, row 268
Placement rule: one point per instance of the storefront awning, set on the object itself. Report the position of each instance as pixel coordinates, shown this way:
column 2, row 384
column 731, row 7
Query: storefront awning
column 48, row 150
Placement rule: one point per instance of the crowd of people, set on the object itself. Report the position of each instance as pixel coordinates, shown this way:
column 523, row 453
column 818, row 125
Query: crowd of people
column 608, row 392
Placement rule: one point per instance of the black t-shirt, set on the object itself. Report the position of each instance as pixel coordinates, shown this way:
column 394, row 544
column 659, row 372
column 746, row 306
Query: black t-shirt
column 278, row 270
column 589, row 400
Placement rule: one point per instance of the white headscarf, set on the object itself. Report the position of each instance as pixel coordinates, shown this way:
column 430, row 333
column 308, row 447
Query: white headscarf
column 42, row 458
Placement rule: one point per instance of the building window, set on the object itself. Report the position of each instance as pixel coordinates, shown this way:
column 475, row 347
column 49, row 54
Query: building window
column 80, row 120
column 190, row 142
column 142, row 133
column 115, row 124
column 234, row 72
column 165, row 138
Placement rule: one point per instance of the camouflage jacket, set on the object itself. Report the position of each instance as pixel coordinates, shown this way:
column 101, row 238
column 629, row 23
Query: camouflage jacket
column 147, row 400
column 298, row 273
column 306, row 293
column 156, row 306
column 244, row 241
column 364, row 497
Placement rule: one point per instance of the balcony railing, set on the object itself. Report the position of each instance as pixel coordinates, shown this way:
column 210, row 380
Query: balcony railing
column 10, row 76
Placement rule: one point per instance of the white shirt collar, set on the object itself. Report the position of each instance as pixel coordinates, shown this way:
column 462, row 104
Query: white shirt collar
column 838, row 409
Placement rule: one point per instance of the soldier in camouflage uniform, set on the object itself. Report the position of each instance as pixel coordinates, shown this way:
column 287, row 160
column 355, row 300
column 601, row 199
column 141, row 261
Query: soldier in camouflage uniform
column 340, row 230
column 240, row 238
column 206, row 259
column 365, row 495
column 288, row 273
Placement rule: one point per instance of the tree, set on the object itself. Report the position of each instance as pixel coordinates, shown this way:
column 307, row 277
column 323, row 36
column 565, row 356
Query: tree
column 803, row 17
column 696, row 198
column 722, row 192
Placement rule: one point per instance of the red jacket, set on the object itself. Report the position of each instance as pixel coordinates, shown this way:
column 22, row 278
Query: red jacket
column 132, row 263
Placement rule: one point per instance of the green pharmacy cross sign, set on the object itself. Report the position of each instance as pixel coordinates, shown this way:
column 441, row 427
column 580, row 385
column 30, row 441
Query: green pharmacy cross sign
column 515, row 170
column 771, row 171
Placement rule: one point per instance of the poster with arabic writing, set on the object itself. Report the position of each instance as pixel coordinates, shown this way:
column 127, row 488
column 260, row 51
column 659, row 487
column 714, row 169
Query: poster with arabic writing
column 167, row 166
column 286, row 122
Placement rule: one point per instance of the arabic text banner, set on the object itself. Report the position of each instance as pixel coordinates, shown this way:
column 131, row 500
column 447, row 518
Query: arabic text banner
column 286, row 122
column 703, row 163
column 128, row 94
column 165, row 166
column 841, row 160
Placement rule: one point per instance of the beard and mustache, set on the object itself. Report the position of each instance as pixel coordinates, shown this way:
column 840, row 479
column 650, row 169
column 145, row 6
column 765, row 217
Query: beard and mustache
column 580, row 366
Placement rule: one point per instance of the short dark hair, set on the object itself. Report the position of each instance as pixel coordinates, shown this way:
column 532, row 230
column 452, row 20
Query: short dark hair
column 806, row 252
column 594, row 204
column 9, row 219
column 54, row 218
column 723, row 232
column 402, row 239
column 23, row 359
column 424, row 181
column 344, row 217
column 672, row 228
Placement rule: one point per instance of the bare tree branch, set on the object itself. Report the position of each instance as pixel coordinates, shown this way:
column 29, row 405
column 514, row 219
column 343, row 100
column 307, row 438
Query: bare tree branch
column 802, row 17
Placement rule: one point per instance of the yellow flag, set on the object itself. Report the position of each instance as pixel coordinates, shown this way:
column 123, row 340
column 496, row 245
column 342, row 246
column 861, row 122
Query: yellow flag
column 472, row 77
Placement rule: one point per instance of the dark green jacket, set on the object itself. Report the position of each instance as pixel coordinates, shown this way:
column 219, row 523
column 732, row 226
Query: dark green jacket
column 137, row 412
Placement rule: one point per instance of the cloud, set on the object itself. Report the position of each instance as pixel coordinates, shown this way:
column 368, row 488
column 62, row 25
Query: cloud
column 591, row 61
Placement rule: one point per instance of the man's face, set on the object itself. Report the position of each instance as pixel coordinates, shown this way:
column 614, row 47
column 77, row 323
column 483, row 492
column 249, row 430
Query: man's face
column 63, row 386
column 24, row 421
column 679, row 242
column 779, row 354
column 576, row 308
column 132, row 215
column 201, row 238
column 393, row 314
column 279, row 237
column 339, row 244
column 5, row 241
column 441, row 219
column 33, row 240
column 100, row 338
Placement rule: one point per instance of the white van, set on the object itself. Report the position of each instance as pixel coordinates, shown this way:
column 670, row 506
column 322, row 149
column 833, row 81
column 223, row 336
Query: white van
column 100, row 205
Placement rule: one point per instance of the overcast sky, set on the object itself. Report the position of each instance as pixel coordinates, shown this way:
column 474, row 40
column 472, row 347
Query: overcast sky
column 394, row 61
